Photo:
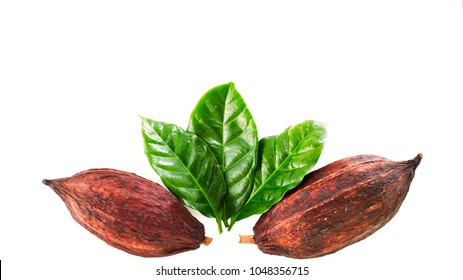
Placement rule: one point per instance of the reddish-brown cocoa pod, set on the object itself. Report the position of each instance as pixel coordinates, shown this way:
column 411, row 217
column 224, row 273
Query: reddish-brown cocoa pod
column 335, row 206
column 129, row 212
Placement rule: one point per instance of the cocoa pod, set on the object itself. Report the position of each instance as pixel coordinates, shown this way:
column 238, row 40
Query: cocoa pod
column 129, row 212
column 335, row 206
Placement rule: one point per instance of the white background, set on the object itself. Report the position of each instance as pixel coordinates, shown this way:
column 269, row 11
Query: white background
column 76, row 75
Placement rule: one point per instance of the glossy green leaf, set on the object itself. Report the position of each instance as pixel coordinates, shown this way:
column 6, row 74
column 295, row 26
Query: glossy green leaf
column 187, row 167
column 222, row 119
column 283, row 161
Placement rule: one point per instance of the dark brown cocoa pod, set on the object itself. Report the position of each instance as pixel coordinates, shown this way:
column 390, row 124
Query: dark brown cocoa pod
column 129, row 212
column 335, row 206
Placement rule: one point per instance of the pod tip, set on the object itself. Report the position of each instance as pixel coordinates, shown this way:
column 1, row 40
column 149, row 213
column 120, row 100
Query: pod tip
column 47, row 182
column 415, row 161
column 418, row 158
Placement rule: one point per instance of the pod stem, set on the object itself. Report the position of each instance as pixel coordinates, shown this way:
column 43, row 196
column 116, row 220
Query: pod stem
column 207, row 240
column 247, row 239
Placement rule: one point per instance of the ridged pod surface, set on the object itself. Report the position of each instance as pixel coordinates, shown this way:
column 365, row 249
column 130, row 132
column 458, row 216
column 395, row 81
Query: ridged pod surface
column 335, row 206
column 129, row 212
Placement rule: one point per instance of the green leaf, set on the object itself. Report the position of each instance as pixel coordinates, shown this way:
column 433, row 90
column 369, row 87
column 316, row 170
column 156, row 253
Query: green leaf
column 187, row 167
column 222, row 119
column 283, row 161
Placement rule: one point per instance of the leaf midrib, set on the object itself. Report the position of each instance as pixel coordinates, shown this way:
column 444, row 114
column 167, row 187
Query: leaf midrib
column 223, row 143
column 188, row 172
column 275, row 171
